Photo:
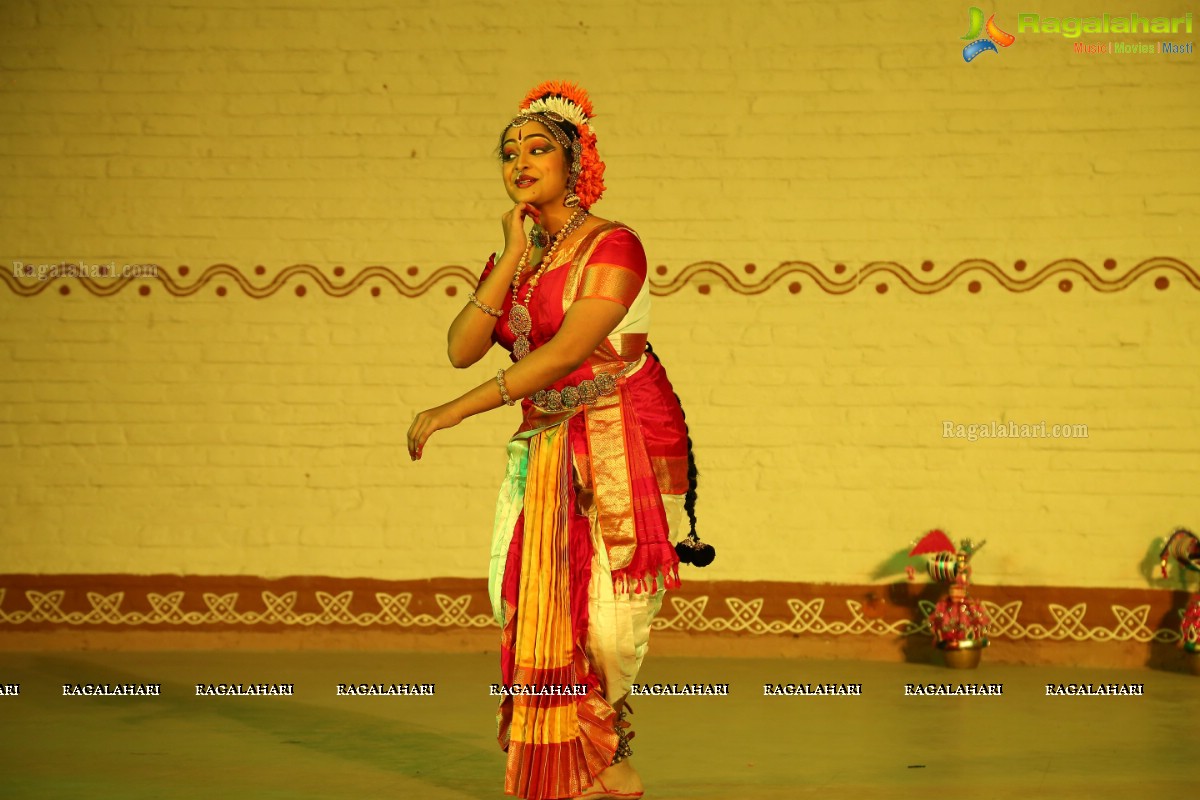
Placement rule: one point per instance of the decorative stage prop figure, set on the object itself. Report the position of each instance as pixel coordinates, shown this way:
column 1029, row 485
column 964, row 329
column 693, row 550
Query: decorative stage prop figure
column 599, row 472
column 1183, row 546
column 958, row 622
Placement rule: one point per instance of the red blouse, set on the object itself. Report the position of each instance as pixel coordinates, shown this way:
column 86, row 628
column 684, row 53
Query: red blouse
column 615, row 270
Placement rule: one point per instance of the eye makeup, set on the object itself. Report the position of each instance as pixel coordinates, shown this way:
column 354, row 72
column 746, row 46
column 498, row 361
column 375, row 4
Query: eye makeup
column 537, row 143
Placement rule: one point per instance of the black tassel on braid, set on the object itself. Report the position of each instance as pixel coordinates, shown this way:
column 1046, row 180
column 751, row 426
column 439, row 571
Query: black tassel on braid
column 690, row 550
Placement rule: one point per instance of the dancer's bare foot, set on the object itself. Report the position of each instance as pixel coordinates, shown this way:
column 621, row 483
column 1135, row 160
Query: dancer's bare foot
column 620, row 780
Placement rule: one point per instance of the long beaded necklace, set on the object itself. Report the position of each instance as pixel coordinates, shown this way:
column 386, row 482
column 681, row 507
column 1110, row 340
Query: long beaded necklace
column 519, row 321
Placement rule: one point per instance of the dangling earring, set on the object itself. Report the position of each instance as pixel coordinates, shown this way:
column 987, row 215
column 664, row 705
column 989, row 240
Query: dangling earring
column 572, row 199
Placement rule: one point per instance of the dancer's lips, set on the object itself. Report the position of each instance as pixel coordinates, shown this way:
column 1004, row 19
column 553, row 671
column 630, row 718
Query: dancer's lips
column 524, row 182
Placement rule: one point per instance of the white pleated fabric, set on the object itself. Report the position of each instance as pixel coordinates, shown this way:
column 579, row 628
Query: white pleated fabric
column 619, row 625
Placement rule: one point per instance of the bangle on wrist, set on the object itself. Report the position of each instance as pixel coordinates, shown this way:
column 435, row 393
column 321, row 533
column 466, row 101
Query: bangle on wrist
column 504, row 389
column 484, row 307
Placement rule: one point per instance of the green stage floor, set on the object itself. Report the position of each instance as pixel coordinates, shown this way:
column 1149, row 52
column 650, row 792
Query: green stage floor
column 316, row 745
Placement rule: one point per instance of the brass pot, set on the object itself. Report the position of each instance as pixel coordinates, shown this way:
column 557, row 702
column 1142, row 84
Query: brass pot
column 963, row 659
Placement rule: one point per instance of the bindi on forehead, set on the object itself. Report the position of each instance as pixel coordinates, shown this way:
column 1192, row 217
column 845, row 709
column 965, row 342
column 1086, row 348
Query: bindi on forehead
column 522, row 136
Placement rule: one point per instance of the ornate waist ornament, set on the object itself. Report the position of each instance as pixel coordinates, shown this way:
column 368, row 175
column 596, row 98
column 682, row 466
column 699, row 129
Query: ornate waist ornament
column 583, row 393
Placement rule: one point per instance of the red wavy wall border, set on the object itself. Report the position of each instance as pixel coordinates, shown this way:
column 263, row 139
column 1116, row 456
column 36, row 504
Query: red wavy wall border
column 880, row 276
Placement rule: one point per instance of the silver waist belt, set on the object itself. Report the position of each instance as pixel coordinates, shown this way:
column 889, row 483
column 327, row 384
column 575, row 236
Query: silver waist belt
column 584, row 392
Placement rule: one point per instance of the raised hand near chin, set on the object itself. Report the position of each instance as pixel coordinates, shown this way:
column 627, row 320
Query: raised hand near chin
column 515, row 238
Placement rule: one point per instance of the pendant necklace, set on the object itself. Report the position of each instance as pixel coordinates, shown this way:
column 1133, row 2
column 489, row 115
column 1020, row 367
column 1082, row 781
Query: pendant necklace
column 519, row 321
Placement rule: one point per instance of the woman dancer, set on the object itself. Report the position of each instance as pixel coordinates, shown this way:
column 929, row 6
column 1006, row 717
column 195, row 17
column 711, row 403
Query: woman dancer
column 599, row 471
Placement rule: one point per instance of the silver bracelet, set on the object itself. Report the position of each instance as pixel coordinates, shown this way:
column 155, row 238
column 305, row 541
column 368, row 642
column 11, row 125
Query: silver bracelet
column 485, row 308
column 504, row 389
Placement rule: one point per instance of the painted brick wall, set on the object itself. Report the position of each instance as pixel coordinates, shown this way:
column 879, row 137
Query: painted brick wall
column 210, row 433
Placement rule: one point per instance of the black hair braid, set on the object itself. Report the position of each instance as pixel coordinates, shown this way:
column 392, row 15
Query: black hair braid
column 691, row 550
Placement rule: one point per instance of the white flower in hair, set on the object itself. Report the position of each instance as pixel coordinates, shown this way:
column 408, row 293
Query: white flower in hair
column 561, row 106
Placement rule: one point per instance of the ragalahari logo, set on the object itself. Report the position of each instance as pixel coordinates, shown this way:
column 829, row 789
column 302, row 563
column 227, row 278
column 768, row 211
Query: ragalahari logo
column 995, row 36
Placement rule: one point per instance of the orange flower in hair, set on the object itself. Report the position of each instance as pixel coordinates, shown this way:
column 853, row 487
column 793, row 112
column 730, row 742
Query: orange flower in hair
column 590, row 185
column 565, row 90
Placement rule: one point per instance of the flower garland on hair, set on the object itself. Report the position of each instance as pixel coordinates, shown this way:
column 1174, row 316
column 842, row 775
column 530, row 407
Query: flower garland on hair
column 573, row 104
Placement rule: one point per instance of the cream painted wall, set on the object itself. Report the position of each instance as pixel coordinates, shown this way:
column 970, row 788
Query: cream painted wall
column 225, row 434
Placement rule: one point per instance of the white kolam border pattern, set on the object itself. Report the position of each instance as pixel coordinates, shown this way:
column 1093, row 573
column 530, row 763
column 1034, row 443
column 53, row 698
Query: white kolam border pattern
column 680, row 614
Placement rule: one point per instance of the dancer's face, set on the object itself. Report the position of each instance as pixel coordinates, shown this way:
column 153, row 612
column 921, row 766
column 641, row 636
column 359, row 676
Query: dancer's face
column 533, row 165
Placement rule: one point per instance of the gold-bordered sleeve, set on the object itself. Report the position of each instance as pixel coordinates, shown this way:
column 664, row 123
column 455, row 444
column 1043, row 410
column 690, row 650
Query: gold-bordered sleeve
column 610, row 282
column 615, row 270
